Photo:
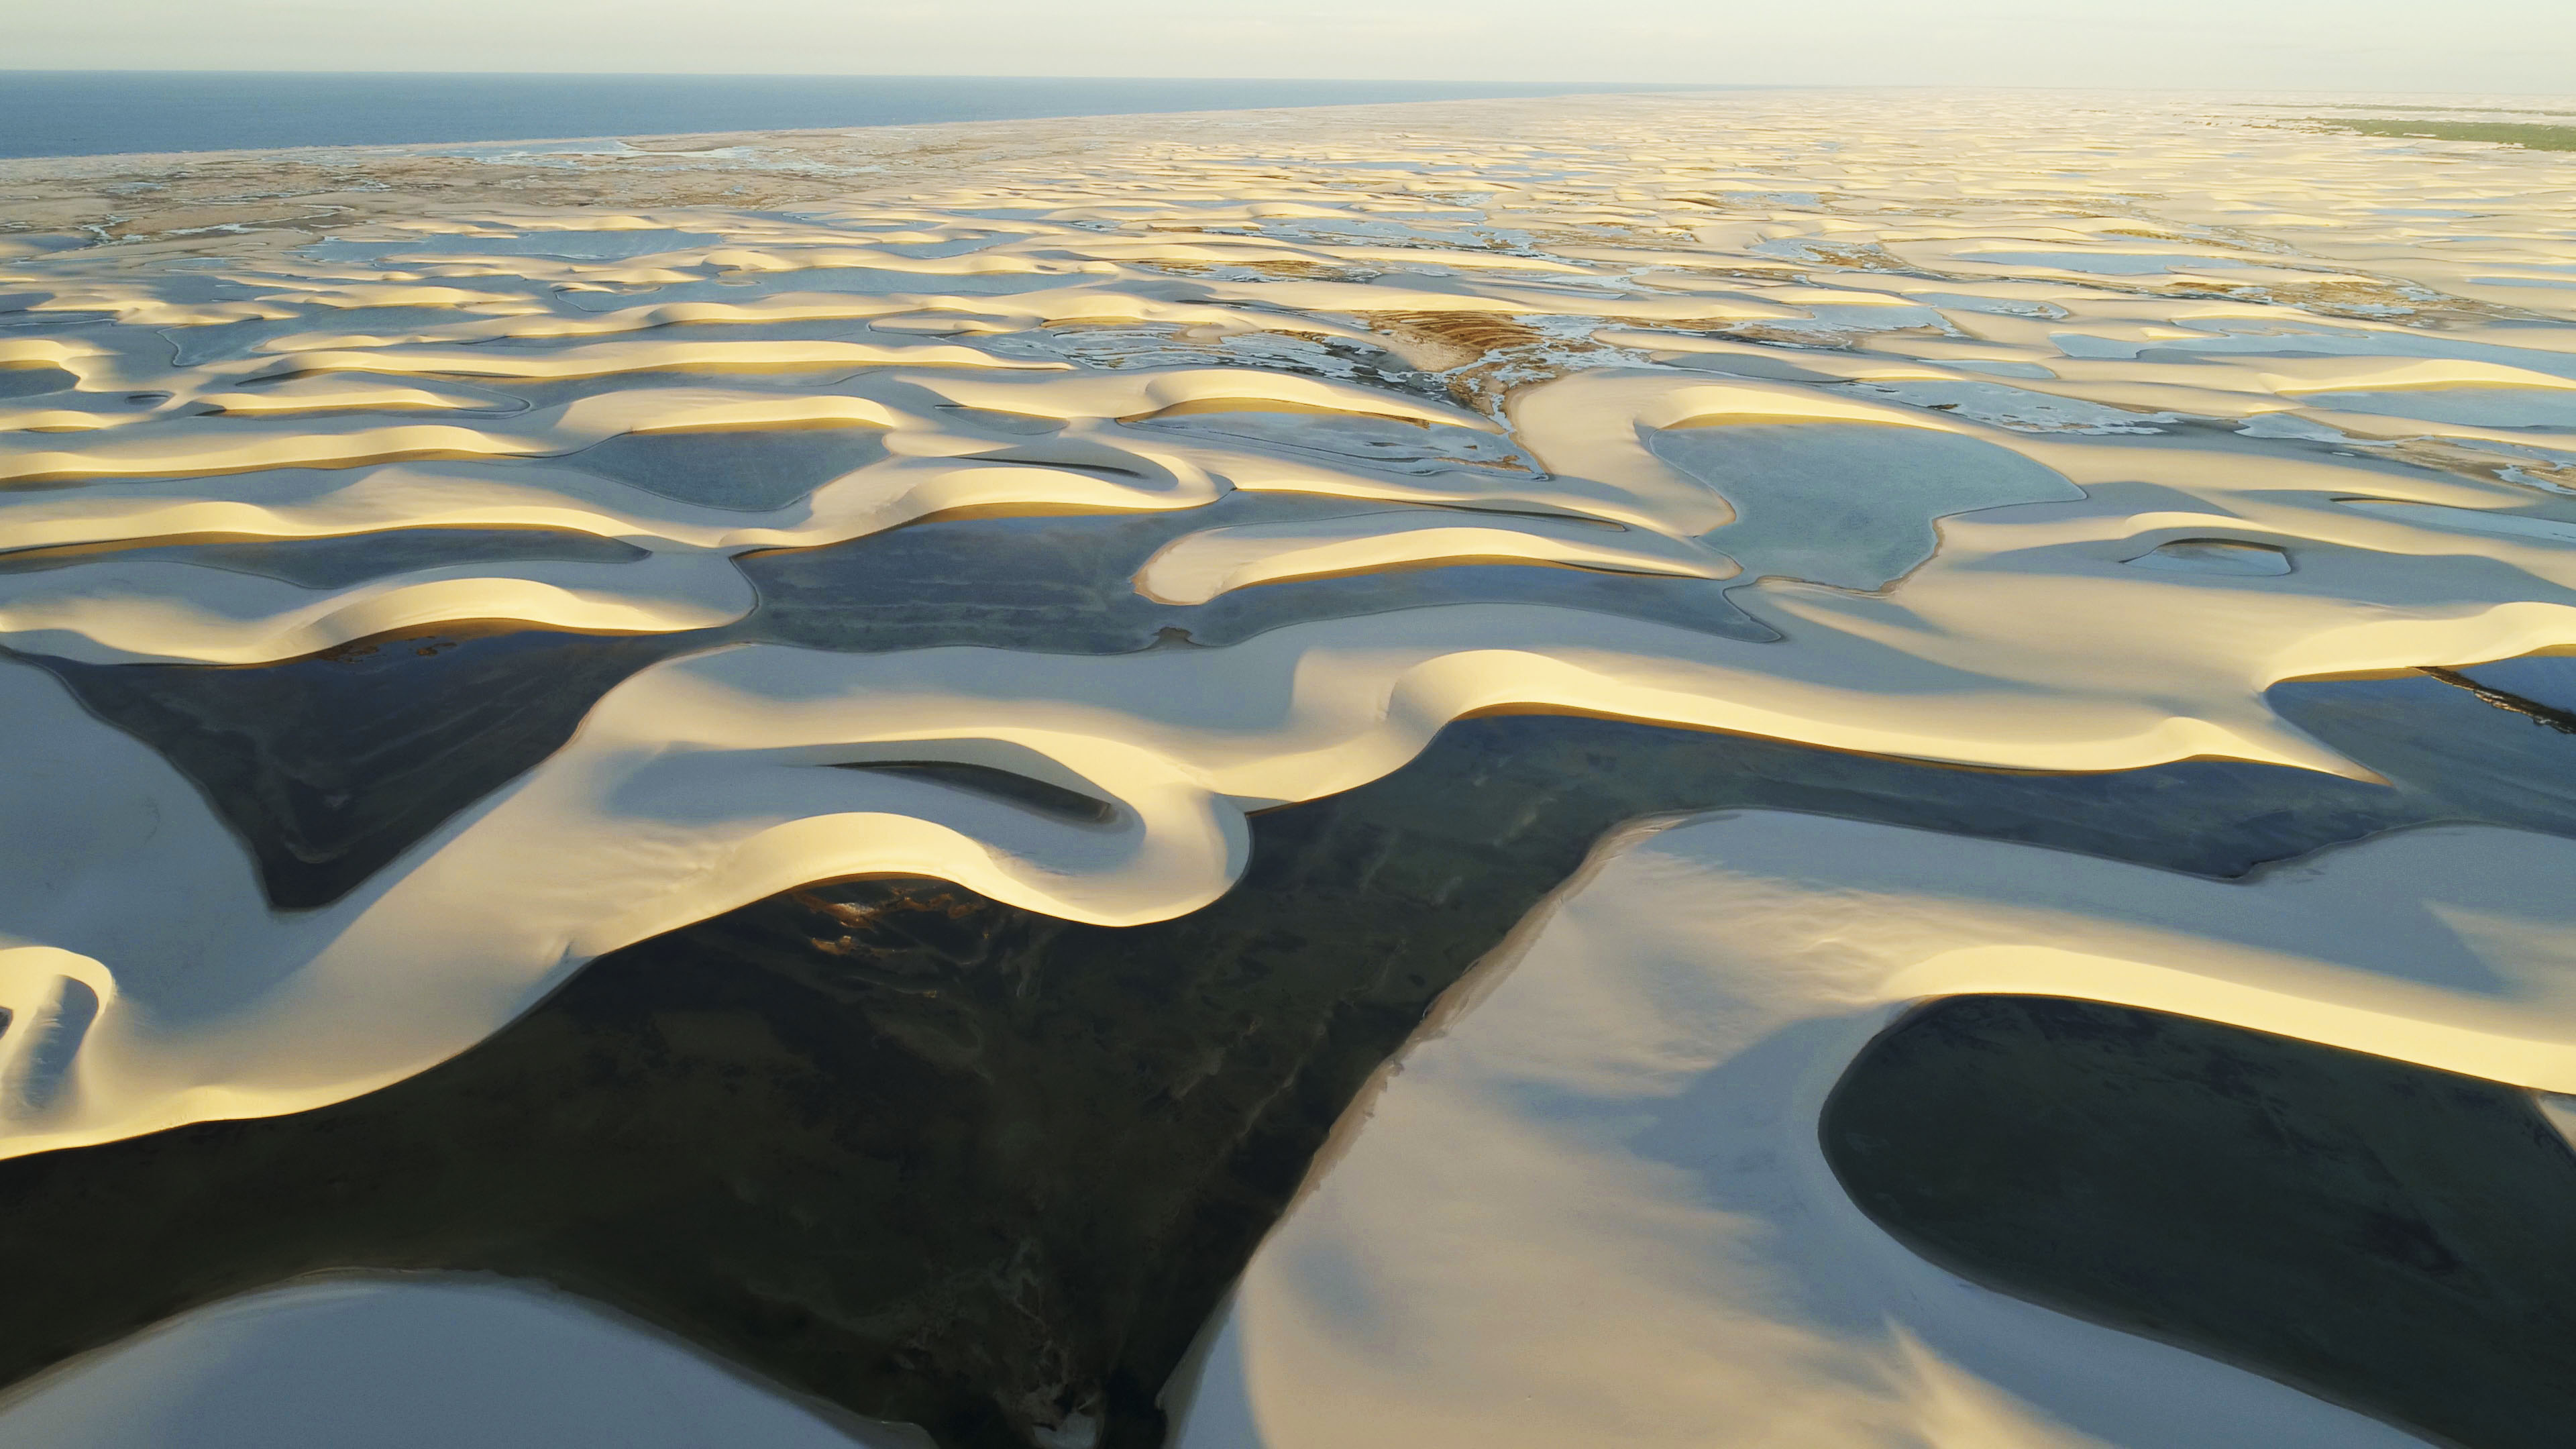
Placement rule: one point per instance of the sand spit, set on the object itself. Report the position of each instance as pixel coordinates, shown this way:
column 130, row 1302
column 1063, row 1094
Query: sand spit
column 2020, row 432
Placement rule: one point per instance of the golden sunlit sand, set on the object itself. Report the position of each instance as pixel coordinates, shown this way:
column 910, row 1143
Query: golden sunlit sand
column 2220, row 400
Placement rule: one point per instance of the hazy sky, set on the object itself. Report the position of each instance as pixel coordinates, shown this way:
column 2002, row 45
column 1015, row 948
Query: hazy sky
column 2494, row 46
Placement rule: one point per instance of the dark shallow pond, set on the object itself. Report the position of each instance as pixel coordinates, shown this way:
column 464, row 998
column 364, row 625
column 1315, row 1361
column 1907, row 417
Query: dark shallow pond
column 2399, row 1239
column 939, row 1159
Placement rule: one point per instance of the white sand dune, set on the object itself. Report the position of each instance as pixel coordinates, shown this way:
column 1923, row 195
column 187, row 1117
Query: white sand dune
column 1592, row 1207
column 1200, row 566
column 115, row 613
column 2045, row 432
column 415, row 1363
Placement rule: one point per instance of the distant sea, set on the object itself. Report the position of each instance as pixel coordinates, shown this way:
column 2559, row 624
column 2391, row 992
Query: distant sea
column 96, row 113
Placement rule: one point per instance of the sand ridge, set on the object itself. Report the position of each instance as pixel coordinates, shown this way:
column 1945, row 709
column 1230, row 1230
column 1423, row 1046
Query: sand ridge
column 1169, row 316
column 1593, row 1202
column 2037, row 432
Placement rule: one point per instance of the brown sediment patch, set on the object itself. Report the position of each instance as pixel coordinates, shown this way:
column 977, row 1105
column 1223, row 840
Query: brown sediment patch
column 1177, row 268
column 1472, row 333
column 1481, row 356
column 2532, row 710
column 1859, row 256
column 2361, row 299
column 1776, row 334
column 2377, row 299
column 1306, row 271
column 2450, row 457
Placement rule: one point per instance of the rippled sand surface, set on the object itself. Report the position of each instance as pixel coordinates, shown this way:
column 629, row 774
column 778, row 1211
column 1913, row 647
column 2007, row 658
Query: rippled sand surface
column 1147, row 474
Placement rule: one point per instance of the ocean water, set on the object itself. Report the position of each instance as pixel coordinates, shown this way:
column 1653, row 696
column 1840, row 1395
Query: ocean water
column 99, row 113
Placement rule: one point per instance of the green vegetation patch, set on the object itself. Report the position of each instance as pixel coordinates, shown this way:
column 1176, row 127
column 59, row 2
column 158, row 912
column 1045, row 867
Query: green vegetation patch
column 2506, row 133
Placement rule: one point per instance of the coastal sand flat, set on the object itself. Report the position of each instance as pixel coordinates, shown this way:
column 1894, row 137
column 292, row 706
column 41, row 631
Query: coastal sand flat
column 2023, row 431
